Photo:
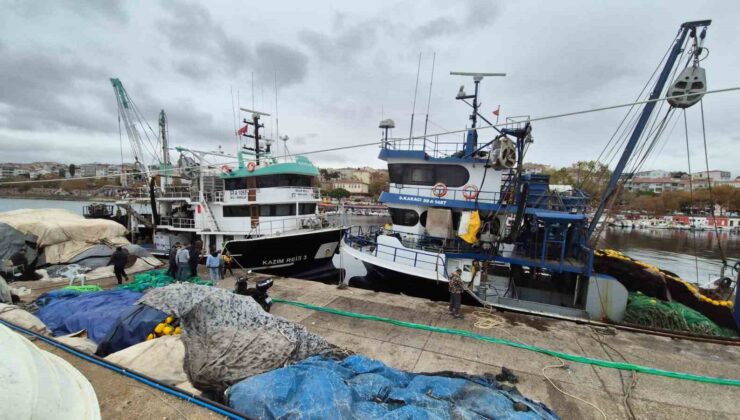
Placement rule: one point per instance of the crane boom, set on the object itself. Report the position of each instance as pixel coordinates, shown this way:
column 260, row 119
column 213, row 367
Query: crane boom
column 127, row 116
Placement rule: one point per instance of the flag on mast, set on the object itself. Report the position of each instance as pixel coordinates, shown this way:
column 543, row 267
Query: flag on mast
column 496, row 112
column 242, row 131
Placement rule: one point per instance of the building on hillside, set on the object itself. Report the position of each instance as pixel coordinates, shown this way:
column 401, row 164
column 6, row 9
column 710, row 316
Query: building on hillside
column 355, row 187
column 657, row 185
column 715, row 175
column 6, row 172
column 653, row 173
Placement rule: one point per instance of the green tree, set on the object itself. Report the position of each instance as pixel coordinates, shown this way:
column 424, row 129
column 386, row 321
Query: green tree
column 338, row 193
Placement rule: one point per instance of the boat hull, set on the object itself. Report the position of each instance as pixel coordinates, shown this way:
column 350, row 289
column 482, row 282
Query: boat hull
column 305, row 255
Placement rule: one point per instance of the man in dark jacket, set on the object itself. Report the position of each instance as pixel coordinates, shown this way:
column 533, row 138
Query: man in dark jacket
column 456, row 289
column 119, row 260
column 195, row 257
column 172, row 269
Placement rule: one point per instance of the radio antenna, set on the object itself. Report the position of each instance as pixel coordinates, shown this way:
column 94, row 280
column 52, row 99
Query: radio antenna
column 429, row 99
column 416, row 89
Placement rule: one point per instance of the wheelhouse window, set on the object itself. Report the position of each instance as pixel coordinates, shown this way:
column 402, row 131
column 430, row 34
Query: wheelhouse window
column 232, row 184
column 307, row 208
column 418, row 174
column 274, row 210
column 404, row 217
column 269, row 181
column 284, row 180
column 236, row 211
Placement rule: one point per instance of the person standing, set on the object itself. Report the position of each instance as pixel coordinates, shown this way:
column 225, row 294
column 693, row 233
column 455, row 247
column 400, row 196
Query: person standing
column 195, row 249
column 172, row 269
column 456, row 289
column 228, row 263
column 119, row 260
column 213, row 263
column 182, row 258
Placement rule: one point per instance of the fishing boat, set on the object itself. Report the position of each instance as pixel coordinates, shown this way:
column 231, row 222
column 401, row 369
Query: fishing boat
column 259, row 208
column 521, row 245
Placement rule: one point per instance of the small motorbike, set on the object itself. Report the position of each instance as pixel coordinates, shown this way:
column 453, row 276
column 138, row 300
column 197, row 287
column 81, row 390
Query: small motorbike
column 258, row 293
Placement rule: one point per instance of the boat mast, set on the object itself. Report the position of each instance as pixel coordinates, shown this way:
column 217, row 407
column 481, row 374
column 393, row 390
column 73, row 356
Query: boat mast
column 686, row 28
column 165, row 168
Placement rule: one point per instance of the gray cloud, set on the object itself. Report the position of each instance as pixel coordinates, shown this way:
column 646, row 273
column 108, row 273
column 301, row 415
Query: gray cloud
column 45, row 91
column 201, row 41
column 346, row 42
column 111, row 10
column 478, row 14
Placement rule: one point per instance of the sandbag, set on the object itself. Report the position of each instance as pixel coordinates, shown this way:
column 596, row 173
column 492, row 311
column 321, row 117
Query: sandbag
column 161, row 358
column 131, row 328
column 23, row 319
column 5, row 296
column 96, row 312
column 228, row 337
column 39, row 385
column 363, row 388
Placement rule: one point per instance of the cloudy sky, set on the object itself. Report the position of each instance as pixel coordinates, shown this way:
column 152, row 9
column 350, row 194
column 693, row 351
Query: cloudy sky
column 341, row 66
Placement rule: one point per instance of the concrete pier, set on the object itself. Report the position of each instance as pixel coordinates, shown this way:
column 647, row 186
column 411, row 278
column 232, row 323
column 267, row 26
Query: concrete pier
column 618, row 394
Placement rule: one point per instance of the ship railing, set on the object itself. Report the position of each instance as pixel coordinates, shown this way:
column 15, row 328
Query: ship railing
column 272, row 227
column 177, row 222
column 450, row 194
column 411, row 241
column 175, row 192
column 431, row 145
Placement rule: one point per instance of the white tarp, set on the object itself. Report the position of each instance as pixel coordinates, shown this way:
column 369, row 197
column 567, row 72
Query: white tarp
column 17, row 316
column 161, row 358
column 39, row 385
column 62, row 233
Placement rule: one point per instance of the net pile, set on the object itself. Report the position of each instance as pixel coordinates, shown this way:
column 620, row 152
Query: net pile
column 647, row 311
column 157, row 278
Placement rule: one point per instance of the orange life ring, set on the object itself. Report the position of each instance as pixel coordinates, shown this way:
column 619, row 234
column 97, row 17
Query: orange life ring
column 470, row 191
column 439, row 190
column 251, row 166
column 226, row 169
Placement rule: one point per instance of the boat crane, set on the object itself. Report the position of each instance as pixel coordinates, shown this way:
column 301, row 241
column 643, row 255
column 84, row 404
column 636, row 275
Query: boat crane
column 130, row 116
column 686, row 91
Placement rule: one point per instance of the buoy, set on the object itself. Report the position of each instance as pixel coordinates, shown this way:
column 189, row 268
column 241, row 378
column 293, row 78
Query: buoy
column 251, row 166
column 470, row 191
column 439, row 190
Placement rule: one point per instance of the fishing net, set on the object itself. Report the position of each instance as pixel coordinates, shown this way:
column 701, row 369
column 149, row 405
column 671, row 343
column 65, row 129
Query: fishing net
column 157, row 278
column 85, row 289
column 656, row 313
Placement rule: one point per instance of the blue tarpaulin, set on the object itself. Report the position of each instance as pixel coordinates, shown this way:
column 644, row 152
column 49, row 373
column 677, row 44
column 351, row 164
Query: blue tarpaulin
column 96, row 312
column 132, row 328
column 359, row 387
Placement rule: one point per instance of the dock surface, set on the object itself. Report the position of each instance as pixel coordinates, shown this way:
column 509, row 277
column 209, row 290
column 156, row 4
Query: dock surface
column 619, row 394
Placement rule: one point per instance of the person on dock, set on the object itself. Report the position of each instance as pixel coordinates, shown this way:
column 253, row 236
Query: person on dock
column 182, row 259
column 228, row 264
column 172, row 268
column 213, row 263
column 195, row 250
column 456, row 289
column 19, row 260
column 119, row 260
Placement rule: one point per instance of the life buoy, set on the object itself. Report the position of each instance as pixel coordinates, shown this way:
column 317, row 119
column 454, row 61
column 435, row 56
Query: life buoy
column 470, row 191
column 439, row 190
column 226, row 169
column 251, row 166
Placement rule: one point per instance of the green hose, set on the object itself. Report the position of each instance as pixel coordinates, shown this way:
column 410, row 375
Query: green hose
column 564, row 356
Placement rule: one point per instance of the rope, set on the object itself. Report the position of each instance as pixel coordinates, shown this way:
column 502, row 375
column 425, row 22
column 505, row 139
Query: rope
column 562, row 355
column 691, row 191
column 709, row 183
column 561, row 366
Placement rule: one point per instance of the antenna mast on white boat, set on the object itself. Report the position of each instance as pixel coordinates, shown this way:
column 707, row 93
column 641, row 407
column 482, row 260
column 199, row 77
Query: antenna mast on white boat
column 429, row 99
column 413, row 109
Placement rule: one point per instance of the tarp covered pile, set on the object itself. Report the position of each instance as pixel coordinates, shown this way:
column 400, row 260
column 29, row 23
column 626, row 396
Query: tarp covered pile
column 69, row 311
column 228, row 337
column 54, row 238
column 363, row 388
